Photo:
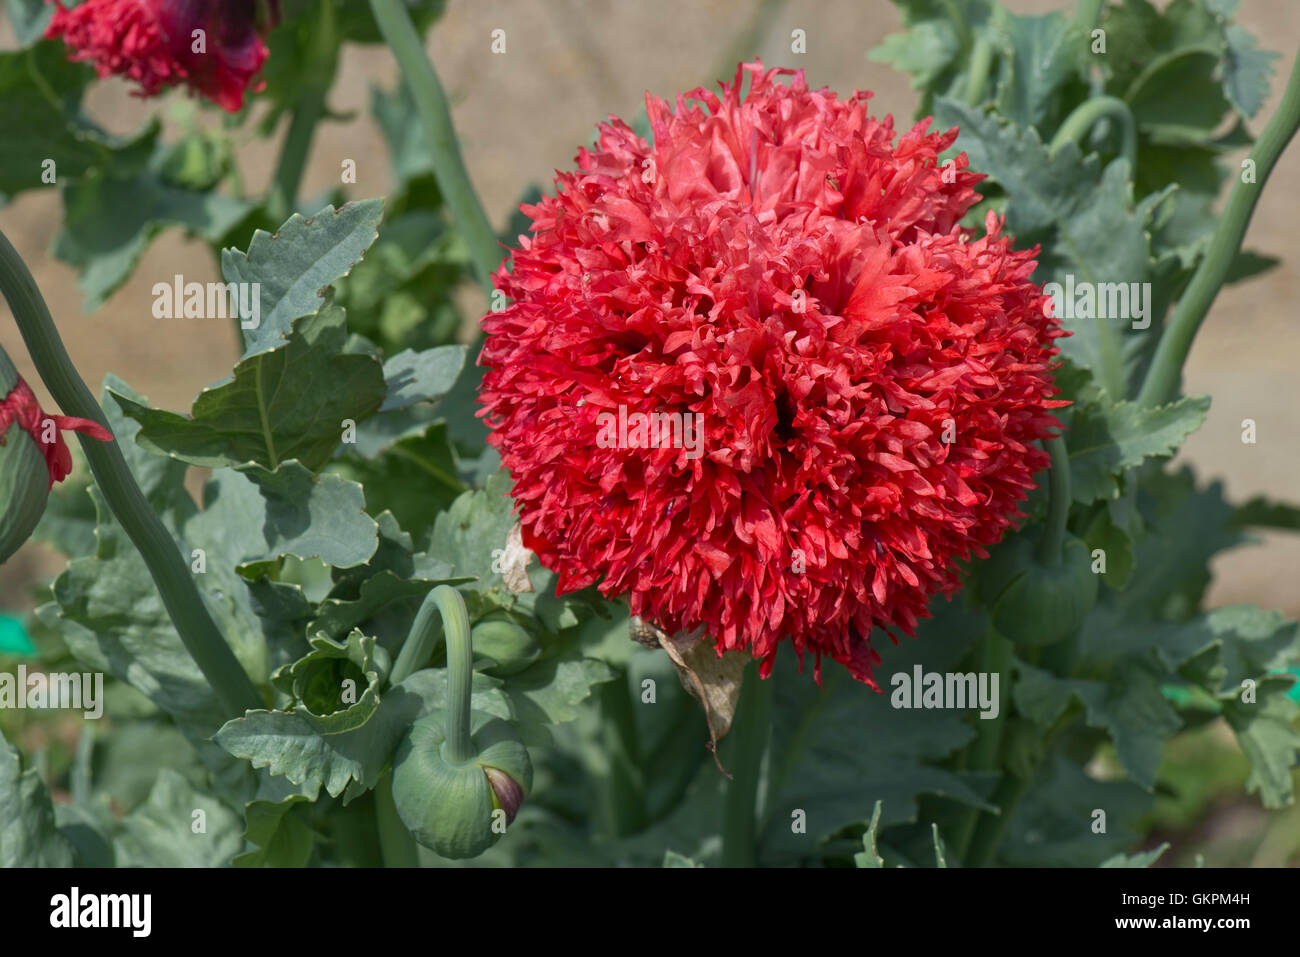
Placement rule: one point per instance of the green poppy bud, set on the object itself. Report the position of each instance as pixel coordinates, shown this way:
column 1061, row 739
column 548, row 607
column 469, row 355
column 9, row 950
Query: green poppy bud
column 1035, row 604
column 511, row 647
column 460, row 809
column 459, row 775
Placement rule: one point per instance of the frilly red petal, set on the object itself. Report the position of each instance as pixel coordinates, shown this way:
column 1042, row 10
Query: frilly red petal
column 871, row 377
column 153, row 43
column 20, row 406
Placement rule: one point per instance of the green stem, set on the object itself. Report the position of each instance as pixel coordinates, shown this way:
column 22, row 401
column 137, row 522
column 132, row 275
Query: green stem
column 1089, row 13
column 623, row 785
column 958, row 20
column 460, row 674
column 1058, row 503
column 1161, row 382
column 749, row 736
column 1008, row 795
column 1076, row 125
column 419, row 643
column 1088, row 113
column 995, row 658
column 395, row 842
column 981, row 62
column 982, row 52
column 169, row 570
column 282, row 200
column 322, row 59
column 448, row 167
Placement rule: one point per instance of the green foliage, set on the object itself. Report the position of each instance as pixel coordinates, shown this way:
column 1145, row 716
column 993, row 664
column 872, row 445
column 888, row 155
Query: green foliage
column 28, row 834
column 349, row 478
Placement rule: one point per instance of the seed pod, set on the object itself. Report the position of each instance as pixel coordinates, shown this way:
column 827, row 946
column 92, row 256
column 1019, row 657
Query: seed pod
column 451, row 807
column 1035, row 604
column 506, row 643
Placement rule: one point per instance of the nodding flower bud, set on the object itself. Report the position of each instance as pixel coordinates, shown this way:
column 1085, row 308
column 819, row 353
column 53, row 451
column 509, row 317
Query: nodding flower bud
column 214, row 47
column 33, row 456
column 460, row 809
column 459, row 775
column 509, row 647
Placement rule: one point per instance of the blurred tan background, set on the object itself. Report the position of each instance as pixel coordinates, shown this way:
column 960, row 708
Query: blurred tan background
column 522, row 114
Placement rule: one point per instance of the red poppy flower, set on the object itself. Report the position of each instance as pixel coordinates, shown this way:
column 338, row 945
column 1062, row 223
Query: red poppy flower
column 155, row 43
column 20, row 406
column 869, row 377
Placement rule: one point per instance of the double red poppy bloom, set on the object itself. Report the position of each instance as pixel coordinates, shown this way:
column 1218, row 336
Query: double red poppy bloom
column 213, row 46
column 869, row 377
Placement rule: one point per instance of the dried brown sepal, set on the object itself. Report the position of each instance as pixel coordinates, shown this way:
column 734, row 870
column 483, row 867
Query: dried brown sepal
column 712, row 680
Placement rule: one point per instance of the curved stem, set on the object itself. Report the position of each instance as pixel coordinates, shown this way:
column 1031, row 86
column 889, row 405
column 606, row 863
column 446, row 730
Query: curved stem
column 169, row 571
column 1087, row 114
column 1161, row 381
column 749, row 737
column 419, row 643
column 1058, row 504
column 460, row 674
column 448, row 167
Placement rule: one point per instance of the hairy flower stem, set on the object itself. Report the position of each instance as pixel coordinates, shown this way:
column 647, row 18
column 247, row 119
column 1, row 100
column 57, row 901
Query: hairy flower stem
column 417, row 648
column 1162, row 377
column 448, row 167
column 1088, row 113
column 750, row 733
column 168, row 569
column 1058, row 503
column 622, row 786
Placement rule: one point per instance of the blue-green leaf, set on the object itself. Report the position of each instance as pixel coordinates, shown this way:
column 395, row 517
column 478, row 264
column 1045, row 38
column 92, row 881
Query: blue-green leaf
column 295, row 265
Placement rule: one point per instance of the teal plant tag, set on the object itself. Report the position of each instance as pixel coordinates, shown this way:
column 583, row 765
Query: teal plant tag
column 13, row 638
